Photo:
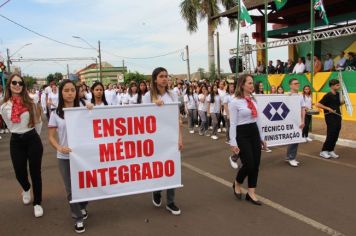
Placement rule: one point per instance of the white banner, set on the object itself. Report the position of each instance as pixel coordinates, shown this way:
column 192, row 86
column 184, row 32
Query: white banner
column 280, row 118
column 123, row 150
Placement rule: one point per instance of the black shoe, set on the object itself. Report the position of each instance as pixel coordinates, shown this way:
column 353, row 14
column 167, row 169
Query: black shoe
column 84, row 213
column 79, row 227
column 173, row 209
column 237, row 195
column 156, row 199
column 249, row 199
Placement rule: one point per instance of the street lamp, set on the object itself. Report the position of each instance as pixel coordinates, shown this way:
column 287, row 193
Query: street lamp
column 9, row 57
column 99, row 54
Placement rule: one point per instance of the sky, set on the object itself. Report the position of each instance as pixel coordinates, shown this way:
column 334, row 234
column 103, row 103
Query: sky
column 128, row 29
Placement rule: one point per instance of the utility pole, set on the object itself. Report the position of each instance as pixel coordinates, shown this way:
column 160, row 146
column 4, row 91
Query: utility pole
column 100, row 66
column 188, row 63
column 123, row 66
column 8, row 61
column 218, row 53
column 67, row 71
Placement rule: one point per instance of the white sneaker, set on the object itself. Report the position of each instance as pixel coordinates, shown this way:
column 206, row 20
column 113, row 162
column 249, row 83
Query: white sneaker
column 26, row 197
column 224, row 129
column 325, row 154
column 2, row 131
column 219, row 130
column 293, row 163
column 191, row 131
column 38, row 210
column 233, row 163
column 308, row 139
column 0, row 137
column 196, row 126
column 333, row 154
column 207, row 134
column 267, row 150
column 7, row 131
column 214, row 137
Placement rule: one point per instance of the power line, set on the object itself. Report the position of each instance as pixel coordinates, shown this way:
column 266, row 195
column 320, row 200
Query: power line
column 143, row 58
column 41, row 35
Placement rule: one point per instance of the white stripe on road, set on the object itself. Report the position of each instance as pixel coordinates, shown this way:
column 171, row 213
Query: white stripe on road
column 266, row 201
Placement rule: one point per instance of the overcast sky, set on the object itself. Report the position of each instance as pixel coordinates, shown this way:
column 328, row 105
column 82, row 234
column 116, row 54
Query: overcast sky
column 132, row 28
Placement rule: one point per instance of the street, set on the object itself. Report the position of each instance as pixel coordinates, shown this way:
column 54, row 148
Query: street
column 316, row 198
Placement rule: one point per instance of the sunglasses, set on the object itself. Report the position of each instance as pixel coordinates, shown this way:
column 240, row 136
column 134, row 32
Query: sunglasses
column 20, row 83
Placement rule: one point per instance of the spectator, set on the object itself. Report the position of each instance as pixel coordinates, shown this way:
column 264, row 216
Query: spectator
column 308, row 63
column 351, row 62
column 341, row 62
column 260, row 69
column 299, row 68
column 279, row 67
column 271, row 69
column 328, row 63
column 317, row 64
column 288, row 68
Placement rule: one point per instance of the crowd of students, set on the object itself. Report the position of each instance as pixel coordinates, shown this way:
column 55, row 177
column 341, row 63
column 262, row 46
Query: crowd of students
column 227, row 107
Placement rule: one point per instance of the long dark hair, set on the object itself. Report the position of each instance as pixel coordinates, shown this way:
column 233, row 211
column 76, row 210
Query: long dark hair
column 154, row 89
column 212, row 93
column 257, row 87
column 103, row 99
column 132, row 84
column 307, row 86
column 26, row 100
column 188, row 93
column 60, row 107
column 239, row 92
column 140, row 93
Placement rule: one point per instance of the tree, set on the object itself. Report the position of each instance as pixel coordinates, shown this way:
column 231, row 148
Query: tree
column 191, row 10
column 58, row 76
column 29, row 81
column 201, row 73
column 134, row 76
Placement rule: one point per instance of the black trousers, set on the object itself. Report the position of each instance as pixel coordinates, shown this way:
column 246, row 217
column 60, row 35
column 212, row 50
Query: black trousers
column 249, row 141
column 333, row 127
column 307, row 121
column 25, row 148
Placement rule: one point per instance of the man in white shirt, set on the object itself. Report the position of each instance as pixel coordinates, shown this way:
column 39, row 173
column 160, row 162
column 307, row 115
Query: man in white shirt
column 341, row 63
column 292, row 149
column 299, row 68
column 308, row 63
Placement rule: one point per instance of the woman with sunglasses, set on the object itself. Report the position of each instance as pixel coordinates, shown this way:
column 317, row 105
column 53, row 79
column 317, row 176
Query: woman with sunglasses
column 20, row 114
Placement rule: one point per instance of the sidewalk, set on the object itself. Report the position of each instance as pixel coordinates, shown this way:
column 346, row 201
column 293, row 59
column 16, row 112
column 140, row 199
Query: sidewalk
column 347, row 134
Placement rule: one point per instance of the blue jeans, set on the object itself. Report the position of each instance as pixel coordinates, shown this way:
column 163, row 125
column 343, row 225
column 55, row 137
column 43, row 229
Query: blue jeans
column 292, row 151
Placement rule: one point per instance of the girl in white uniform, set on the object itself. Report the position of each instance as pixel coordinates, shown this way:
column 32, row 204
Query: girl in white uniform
column 98, row 98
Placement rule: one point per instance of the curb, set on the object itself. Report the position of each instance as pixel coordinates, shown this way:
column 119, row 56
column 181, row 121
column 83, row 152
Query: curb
column 340, row 141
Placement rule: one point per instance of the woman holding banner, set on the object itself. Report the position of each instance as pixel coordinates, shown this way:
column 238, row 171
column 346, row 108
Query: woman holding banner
column 20, row 115
column 68, row 97
column 160, row 94
column 245, row 137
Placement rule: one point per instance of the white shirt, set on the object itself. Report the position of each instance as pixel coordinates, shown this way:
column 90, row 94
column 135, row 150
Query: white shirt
column 307, row 101
column 17, row 128
column 299, row 68
column 214, row 107
column 56, row 122
column 202, row 106
column 240, row 114
column 178, row 91
column 54, row 99
column 191, row 102
column 166, row 97
column 48, row 90
column 88, row 96
column 308, row 65
column 119, row 98
column 127, row 99
column 110, row 96
column 227, row 99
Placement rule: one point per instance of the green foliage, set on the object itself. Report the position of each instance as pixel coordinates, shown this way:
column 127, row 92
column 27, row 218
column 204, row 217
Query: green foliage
column 56, row 77
column 212, row 73
column 134, row 76
column 30, row 81
column 201, row 73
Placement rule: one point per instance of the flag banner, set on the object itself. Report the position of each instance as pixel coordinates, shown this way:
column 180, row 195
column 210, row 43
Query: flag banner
column 280, row 3
column 348, row 104
column 279, row 119
column 319, row 6
column 244, row 15
column 123, row 150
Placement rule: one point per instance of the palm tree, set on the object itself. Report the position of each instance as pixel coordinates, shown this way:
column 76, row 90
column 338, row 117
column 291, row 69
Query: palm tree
column 191, row 10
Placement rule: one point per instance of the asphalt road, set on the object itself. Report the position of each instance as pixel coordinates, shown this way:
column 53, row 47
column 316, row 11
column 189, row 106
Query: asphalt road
column 317, row 198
